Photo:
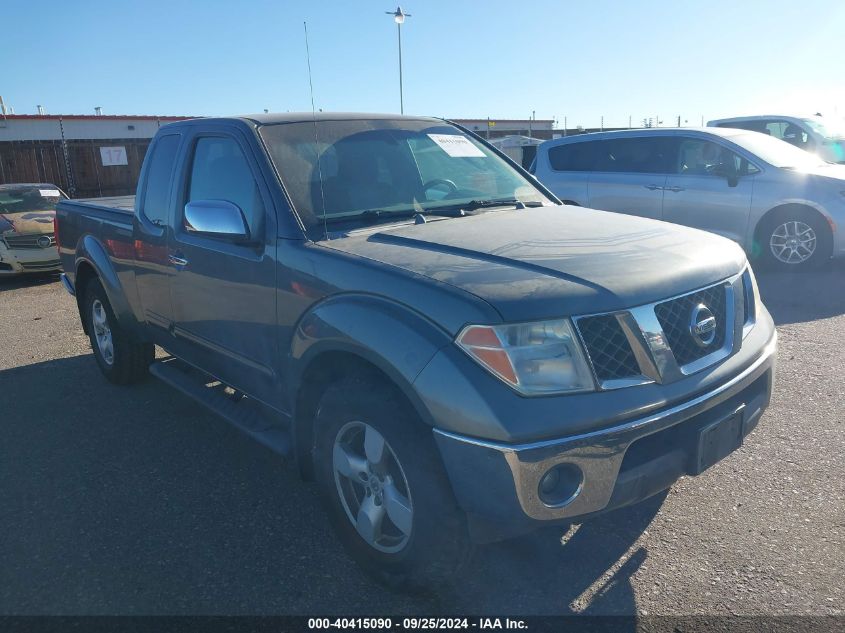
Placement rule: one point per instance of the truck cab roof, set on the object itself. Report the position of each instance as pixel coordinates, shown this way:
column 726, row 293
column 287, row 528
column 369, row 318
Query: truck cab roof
column 272, row 118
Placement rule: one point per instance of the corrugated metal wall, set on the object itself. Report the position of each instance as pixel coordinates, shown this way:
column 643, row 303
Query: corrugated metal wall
column 83, row 175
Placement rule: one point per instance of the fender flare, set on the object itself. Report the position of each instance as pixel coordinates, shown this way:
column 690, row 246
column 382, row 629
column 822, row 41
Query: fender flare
column 382, row 333
column 92, row 253
column 396, row 340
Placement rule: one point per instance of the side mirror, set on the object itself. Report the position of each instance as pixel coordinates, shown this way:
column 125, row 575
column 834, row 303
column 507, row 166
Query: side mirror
column 216, row 218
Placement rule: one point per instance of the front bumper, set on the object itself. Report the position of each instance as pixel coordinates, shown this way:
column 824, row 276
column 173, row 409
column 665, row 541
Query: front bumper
column 620, row 465
column 19, row 260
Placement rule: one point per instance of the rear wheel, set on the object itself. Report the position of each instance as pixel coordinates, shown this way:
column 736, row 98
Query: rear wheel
column 385, row 489
column 122, row 360
column 794, row 239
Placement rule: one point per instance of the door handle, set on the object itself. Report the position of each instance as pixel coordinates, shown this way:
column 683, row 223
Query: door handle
column 177, row 261
column 675, row 189
column 652, row 187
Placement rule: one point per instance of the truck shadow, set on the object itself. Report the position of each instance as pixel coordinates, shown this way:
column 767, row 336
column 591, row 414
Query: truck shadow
column 801, row 297
column 585, row 570
column 136, row 501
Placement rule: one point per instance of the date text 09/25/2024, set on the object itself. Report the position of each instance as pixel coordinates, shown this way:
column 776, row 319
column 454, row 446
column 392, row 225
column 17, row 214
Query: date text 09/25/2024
column 387, row 624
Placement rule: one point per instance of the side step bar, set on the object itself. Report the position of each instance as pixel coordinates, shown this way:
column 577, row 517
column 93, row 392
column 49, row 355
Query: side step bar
column 247, row 415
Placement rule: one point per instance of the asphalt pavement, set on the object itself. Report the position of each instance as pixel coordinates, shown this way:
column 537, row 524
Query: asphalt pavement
column 118, row 500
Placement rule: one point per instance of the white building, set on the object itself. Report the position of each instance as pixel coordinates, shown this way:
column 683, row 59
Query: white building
column 50, row 127
column 505, row 127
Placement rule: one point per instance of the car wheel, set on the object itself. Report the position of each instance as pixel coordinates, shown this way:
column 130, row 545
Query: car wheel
column 122, row 360
column 385, row 488
column 794, row 240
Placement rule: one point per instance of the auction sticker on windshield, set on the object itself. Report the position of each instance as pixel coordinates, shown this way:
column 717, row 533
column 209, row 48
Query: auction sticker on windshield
column 457, row 146
column 48, row 193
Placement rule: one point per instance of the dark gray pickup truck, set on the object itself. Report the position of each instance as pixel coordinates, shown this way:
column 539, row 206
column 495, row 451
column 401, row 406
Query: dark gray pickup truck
column 421, row 326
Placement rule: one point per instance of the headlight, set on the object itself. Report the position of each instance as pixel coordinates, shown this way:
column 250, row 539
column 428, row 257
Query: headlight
column 534, row 358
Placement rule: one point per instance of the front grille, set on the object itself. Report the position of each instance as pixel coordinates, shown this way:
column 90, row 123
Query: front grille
column 29, row 240
column 608, row 348
column 675, row 315
column 41, row 265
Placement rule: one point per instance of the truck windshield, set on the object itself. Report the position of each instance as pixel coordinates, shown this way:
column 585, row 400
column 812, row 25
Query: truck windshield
column 382, row 168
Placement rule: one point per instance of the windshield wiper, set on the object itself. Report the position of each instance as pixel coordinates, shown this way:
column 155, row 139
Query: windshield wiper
column 457, row 210
column 370, row 215
column 472, row 205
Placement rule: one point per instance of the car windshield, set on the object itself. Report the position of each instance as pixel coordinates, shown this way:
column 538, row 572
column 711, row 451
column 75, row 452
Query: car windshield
column 29, row 198
column 378, row 168
column 776, row 152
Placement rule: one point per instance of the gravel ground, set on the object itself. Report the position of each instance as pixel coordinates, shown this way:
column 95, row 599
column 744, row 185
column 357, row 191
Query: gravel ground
column 136, row 501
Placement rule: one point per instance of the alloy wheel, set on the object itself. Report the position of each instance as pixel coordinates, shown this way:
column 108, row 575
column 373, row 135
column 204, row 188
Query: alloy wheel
column 793, row 242
column 372, row 487
column 102, row 331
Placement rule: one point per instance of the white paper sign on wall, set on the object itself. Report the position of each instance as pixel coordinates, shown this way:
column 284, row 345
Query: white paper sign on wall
column 113, row 156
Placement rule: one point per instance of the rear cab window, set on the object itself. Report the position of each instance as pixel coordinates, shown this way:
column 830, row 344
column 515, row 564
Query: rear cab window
column 155, row 204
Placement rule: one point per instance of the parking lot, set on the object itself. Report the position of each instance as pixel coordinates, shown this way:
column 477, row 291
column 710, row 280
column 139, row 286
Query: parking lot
column 136, row 501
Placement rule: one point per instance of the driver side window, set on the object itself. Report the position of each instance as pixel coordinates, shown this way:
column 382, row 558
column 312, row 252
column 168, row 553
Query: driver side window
column 700, row 157
column 220, row 171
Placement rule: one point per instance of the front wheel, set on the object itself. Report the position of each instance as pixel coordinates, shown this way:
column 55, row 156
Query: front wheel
column 385, row 488
column 122, row 360
column 794, row 240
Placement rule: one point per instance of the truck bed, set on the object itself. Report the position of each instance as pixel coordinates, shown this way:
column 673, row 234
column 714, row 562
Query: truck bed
column 115, row 203
column 110, row 219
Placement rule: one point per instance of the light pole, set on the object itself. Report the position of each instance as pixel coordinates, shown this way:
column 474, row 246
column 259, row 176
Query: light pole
column 399, row 17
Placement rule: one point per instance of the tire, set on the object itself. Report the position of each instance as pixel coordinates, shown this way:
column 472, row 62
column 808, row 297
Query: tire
column 432, row 542
column 122, row 360
column 794, row 239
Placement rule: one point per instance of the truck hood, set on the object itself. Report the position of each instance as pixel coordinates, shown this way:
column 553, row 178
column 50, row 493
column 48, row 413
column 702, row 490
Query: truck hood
column 554, row 261
column 27, row 222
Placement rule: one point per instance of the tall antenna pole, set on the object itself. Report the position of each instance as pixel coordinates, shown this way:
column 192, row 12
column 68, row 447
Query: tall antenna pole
column 316, row 139
column 308, row 60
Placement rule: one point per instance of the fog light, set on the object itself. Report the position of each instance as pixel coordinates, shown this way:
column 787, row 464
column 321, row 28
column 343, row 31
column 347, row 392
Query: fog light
column 560, row 485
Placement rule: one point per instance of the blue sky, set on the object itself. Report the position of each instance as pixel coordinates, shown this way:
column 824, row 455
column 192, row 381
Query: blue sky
column 576, row 59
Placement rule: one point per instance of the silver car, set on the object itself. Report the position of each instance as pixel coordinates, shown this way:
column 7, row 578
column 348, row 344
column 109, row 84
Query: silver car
column 781, row 204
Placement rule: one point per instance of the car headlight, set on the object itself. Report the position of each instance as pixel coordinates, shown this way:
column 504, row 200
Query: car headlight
column 537, row 358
